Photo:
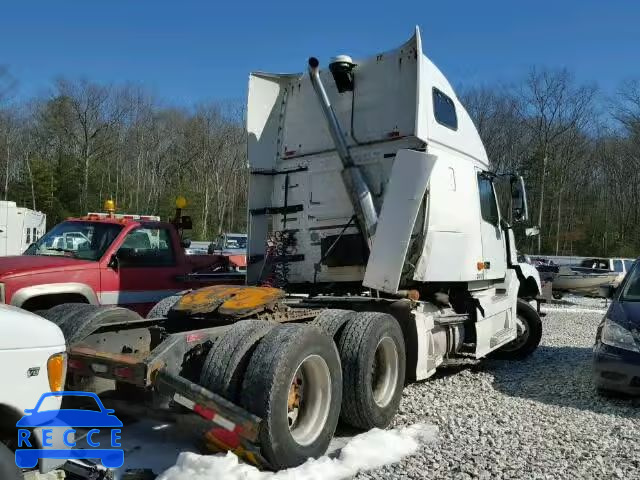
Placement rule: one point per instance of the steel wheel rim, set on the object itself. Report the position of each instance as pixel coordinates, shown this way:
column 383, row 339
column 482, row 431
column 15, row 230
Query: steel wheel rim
column 384, row 375
column 522, row 327
column 309, row 399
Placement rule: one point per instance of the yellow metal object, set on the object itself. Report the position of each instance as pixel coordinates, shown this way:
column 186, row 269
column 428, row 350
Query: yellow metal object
column 214, row 445
column 229, row 300
column 110, row 206
column 181, row 202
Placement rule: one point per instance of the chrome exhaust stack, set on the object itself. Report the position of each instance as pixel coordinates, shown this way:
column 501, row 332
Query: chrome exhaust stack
column 357, row 188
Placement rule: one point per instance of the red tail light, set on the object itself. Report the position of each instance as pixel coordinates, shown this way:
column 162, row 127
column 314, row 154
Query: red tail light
column 74, row 364
column 123, row 372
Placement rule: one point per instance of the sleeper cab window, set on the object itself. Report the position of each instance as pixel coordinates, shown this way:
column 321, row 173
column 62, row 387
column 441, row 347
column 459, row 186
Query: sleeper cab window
column 444, row 110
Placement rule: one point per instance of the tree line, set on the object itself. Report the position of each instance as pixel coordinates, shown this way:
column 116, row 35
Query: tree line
column 68, row 151
column 579, row 152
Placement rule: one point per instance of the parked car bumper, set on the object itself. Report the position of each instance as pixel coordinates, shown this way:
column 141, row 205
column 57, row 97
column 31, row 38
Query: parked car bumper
column 616, row 369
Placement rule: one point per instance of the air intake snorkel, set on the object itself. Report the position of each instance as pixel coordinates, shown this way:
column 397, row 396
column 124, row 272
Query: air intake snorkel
column 357, row 188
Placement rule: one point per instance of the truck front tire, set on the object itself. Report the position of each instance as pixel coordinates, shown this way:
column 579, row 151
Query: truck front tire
column 529, row 335
column 372, row 352
column 294, row 383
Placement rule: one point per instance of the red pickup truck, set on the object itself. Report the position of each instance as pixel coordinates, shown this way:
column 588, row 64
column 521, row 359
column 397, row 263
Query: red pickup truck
column 127, row 260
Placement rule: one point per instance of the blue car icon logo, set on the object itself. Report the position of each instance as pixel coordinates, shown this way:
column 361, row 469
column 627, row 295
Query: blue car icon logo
column 63, row 422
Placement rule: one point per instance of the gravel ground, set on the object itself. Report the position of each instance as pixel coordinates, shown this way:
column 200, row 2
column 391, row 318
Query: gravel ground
column 576, row 301
column 536, row 419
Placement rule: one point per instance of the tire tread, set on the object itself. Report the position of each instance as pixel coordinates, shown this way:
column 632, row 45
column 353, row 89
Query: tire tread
column 227, row 360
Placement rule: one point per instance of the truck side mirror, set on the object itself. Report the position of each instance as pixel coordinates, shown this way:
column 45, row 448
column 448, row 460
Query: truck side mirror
column 519, row 208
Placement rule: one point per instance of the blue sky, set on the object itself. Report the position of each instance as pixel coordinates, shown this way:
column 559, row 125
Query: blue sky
column 189, row 51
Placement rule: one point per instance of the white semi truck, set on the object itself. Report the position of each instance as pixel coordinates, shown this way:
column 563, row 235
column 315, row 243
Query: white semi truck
column 377, row 251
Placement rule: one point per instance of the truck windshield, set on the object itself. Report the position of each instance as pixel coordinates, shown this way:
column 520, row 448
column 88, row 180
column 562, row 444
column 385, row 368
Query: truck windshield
column 82, row 240
column 631, row 288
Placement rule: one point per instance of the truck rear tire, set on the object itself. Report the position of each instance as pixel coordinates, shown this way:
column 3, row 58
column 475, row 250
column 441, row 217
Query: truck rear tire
column 8, row 469
column 227, row 360
column 294, row 383
column 332, row 321
column 529, row 335
column 77, row 321
column 61, row 313
column 160, row 309
column 372, row 352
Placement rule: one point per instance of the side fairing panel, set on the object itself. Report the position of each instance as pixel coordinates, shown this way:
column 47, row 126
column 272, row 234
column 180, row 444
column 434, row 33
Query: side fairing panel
column 453, row 245
column 405, row 192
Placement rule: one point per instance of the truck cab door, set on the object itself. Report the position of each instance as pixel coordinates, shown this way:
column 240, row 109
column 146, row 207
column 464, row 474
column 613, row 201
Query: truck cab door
column 494, row 254
column 141, row 270
column 496, row 326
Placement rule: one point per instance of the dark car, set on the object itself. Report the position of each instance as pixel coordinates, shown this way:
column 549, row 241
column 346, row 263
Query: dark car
column 616, row 353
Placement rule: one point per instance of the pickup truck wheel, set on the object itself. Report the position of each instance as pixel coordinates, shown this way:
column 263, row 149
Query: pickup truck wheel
column 8, row 469
column 331, row 321
column 529, row 328
column 294, row 383
column 161, row 308
column 227, row 360
column 372, row 352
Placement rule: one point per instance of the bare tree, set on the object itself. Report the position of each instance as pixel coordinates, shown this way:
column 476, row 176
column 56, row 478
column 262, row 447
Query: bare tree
column 553, row 106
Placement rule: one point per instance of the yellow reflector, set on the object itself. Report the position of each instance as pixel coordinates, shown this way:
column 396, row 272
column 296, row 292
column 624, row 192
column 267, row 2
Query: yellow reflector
column 181, row 202
column 57, row 371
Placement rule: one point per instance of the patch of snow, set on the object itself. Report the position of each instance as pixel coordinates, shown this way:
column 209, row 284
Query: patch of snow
column 367, row 451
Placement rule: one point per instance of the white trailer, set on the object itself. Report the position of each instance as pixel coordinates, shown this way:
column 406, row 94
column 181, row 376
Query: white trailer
column 19, row 228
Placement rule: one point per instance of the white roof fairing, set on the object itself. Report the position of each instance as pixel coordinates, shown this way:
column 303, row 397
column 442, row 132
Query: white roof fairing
column 393, row 96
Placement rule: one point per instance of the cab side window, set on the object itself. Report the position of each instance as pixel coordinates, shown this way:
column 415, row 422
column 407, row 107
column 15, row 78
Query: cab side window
column 488, row 205
column 444, row 110
column 147, row 247
column 617, row 266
